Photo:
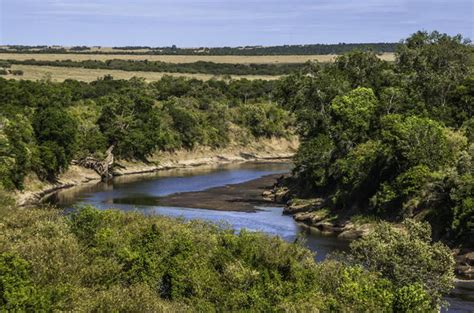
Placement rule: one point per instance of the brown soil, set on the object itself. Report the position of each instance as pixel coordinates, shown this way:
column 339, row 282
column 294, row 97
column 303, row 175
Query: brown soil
column 241, row 197
column 258, row 150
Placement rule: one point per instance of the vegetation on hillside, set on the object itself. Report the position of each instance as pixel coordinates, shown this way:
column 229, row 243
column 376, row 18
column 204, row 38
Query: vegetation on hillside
column 391, row 139
column 45, row 125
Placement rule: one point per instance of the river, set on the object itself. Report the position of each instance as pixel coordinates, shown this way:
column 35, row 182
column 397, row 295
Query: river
column 139, row 189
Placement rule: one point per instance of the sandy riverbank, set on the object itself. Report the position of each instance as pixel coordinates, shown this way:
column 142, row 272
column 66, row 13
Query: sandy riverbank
column 242, row 197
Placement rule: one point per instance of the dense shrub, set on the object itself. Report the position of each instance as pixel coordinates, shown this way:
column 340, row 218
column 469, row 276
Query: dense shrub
column 409, row 260
column 116, row 261
column 45, row 125
column 263, row 119
column 55, row 132
column 389, row 139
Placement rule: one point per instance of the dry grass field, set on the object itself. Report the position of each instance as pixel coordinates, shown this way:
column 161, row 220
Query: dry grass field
column 34, row 72
column 239, row 59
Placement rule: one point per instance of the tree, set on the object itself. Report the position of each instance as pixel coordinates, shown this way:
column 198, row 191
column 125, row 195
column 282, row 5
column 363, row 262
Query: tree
column 16, row 287
column 434, row 64
column 21, row 148
column 187, row 121
column 313, row 159
column 462, row 220
column 131, row 124
column 362, row 69
column 419, row 141
column 407, row 258
column 90, row 140
column 353, row 116
column 56, row 134
column 263, row 119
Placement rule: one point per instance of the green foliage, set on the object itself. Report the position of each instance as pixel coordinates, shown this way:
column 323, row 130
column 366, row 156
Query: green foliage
column 362, row 68
column 407, row 258
column 312, row 159
column 353, row 114
column 412, row 298
column 358, row 173
column 116, row 261
column 361, row 292
column 462, row 196
column 187, row 122
column 15, row 282
column 461, row 100
column 131, row 124
column 263, row 119
column 390, row 139
column 434, row 65
column 45, row 125
column 55, row 132
column 249, row 50
column 416, row 140
column 90, row 140
column 159, row 66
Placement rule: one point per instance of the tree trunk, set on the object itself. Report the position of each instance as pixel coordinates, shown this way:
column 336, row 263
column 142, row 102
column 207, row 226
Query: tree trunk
column 102, row 167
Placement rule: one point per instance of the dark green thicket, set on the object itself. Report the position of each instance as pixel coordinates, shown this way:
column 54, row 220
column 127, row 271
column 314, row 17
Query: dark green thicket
column 391, row 139
column 116, row 261
column 45, row 125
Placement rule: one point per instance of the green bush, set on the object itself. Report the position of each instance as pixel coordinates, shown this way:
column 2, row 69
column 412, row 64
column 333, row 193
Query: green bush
column 111, row 260
column 16, row 287
column 422, row 271
column 56, row 135
column 263, row 119
column 131, row 124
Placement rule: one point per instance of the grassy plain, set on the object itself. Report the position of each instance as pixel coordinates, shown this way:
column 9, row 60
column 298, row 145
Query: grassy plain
column 234, row 59
column 35, row 72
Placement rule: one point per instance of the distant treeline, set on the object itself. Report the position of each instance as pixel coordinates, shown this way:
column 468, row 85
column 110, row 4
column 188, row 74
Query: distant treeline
column 339, row 48
column 158, row 66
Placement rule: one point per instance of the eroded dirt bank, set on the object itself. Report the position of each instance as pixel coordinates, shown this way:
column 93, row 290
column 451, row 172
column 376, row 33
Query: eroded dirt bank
column 261, row 150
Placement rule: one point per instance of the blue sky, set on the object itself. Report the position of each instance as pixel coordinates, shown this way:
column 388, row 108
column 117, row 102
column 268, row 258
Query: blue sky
column 192, row 23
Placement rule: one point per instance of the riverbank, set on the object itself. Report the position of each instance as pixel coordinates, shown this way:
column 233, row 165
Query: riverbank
column 271, row 149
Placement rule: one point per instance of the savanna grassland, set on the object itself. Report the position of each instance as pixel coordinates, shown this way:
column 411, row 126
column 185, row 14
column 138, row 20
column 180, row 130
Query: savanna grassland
column 59, row 74
column 233, row 59
column 60, row 67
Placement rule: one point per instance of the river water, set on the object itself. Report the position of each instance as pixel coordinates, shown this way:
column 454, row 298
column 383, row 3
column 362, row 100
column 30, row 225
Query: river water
column 142, row 187
column 137, row 188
